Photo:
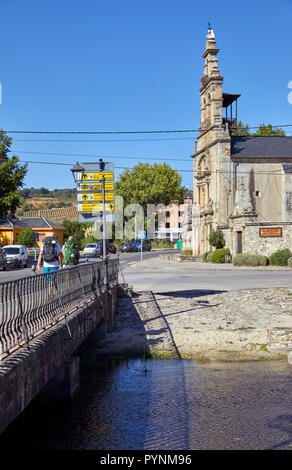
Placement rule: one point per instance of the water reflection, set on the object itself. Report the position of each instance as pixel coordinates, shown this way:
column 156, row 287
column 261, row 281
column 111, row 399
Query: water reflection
column 168, row 404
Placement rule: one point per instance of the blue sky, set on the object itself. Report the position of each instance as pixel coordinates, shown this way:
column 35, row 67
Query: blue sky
column 104, row 66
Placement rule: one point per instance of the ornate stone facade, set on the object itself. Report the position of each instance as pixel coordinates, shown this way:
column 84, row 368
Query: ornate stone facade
column 239, row 182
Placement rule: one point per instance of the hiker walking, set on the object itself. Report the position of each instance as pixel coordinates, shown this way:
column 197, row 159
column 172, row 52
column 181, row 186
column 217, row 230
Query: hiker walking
column 71, row 254
column 51, row 253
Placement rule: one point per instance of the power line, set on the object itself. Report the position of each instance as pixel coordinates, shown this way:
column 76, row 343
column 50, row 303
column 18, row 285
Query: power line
column 126, row 132
column 104, row 156
column 159, row 169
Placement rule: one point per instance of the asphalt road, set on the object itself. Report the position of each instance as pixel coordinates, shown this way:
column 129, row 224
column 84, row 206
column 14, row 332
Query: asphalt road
column 175, row 277
column 11, row 274
column 170, row 277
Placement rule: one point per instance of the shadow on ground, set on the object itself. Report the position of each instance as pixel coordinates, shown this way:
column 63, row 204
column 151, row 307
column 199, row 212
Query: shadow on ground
column 191, row 293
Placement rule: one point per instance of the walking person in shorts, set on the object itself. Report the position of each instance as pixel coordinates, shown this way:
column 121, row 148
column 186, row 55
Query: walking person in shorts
column 51, row 253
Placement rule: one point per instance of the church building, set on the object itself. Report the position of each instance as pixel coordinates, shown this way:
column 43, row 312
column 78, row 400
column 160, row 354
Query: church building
column 243, row 185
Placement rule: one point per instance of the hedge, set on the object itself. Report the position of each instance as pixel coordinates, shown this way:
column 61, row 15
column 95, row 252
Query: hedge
column 246, row 259
column 218, row 256
column 205, row 256
column 280, row 257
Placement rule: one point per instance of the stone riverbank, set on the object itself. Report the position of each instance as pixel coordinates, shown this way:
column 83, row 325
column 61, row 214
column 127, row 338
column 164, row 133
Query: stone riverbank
column 253, row 324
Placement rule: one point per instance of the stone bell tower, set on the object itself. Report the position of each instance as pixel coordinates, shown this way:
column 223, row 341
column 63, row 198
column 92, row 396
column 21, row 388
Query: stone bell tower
column 213, row 192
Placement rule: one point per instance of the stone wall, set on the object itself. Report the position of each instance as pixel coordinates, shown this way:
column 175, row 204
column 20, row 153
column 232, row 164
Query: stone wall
column 25, row 373
column 254, row 243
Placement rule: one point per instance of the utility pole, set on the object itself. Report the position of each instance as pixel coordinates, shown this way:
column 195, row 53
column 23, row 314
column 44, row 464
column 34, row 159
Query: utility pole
column 104, row 250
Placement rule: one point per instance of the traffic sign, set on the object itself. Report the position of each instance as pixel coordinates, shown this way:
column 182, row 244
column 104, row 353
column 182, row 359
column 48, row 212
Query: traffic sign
column 88, row 197
column 87, row 207
column 142, row 234
column 95, row 176
column 108, row 186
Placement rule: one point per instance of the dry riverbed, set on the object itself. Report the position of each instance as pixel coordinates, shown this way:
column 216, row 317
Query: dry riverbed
column 205, row 326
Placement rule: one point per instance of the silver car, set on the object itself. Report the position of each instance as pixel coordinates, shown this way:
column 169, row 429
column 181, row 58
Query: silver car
column 92, row 249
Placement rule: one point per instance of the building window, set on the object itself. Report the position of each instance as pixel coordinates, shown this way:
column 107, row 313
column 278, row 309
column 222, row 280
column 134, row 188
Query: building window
column 180, row 213
column 257, row 193
column 180, row 224
column 167, row 225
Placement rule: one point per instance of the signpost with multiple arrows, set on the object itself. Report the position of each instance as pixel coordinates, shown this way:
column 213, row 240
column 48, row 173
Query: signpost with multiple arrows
column 95, row 193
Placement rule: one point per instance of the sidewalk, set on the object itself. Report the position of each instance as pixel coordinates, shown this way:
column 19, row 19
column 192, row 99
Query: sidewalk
column 158, row 263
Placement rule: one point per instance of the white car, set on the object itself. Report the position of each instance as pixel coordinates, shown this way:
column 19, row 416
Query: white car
column 16, row 255
column 92, row 249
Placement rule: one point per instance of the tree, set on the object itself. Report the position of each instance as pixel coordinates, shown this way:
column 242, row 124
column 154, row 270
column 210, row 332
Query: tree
column 262, row 131
column 25, row 237
column 149, row 184
column 11, row 178
column 269, row 130
column 216, row 239
column 242, row 129
column 76, row 229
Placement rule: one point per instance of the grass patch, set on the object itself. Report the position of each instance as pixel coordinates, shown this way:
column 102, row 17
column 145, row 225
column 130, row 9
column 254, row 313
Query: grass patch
column 246, row 328
column 199, row 357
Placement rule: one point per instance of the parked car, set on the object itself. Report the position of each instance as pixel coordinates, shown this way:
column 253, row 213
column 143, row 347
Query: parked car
column 92, row 249
column 146, row 244
column 3, row 261
column 111, row 247
column 16, row 255
column 95, row 249
column 128, row 247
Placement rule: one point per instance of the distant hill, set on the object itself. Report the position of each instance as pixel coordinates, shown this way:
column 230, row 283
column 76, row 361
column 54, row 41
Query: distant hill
column 33, row 199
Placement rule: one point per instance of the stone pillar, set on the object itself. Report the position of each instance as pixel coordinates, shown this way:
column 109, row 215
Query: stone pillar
column 64, row 383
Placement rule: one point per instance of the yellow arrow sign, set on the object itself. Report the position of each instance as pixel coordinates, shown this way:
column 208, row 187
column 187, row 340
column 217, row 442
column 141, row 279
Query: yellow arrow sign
column 94, row 176
column 85, row 207
column 94, row 197
column 108, row 186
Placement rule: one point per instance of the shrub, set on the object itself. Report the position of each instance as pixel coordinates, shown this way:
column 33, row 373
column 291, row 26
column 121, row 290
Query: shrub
column 216, row 239
column 25, row 237
column 245, row 259
column 205, row 256
column 289, row 262
column 218, row 256
column 280, row 257
column 187, row 252
column 88, row 240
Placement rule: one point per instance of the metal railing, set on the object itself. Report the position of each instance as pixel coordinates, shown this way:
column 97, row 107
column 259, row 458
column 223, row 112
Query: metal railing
column 32, row 304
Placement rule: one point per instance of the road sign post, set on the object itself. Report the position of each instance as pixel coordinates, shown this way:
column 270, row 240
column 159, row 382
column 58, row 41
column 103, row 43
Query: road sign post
column 142, row 235
column 103, row 220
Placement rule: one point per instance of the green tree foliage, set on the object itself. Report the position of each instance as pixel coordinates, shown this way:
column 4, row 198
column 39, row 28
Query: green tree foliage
column 269, row 130
column 44, row 192
column 242, row 129
column 263, row 130
column 149, row 184
column 216, row 239
column 11, row 178
column 25, row 237
column 77, row 230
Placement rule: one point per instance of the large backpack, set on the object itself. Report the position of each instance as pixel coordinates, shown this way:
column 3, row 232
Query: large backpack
column 49, row 249
column 70, row 252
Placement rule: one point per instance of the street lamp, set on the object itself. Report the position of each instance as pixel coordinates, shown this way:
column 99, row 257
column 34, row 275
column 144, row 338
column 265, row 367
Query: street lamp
column 76, row 170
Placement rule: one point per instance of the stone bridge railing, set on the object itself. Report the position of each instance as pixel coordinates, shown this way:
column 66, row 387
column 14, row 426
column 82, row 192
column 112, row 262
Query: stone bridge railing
column 30, row 305
column 44, row 319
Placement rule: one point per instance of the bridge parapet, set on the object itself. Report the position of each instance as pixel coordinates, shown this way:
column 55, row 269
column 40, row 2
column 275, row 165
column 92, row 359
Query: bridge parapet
column 43, row 320
column 30, row 305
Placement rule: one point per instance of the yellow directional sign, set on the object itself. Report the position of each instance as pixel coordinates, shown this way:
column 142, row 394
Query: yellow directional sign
column 87, row 197
column 108, row 186
column 96, row 176
column 86, row 207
